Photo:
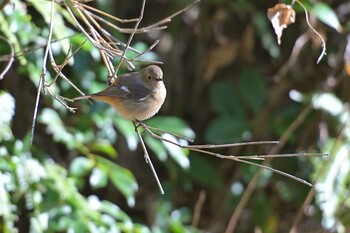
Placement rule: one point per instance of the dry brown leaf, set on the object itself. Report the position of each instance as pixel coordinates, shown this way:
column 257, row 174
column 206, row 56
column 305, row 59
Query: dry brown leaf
column 281, row 15
column 219, row 57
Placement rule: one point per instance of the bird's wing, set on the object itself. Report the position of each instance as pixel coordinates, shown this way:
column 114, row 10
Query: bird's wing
column 135, row 91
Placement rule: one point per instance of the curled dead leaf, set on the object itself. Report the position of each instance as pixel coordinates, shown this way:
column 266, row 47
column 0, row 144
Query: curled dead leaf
column 281, row 15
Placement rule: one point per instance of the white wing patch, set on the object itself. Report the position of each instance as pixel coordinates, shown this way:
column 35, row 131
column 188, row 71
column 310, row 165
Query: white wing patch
column 125, row 88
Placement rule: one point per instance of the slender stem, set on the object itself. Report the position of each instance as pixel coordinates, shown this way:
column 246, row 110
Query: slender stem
column 241, row 159
column 131, row 37
column 316, row 32
column 148, row 159
column 43, row 73
column 10, row 58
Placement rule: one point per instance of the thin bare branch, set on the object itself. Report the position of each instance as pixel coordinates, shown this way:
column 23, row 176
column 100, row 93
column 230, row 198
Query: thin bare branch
column 168, row 19
column 238, row 158
column 253, row 182
column 43, row 73
column 10, row 58
column 106, row 14
column 148, row 159
column 198, row 209
column 314, row 30
column 131, row 37
column 147, row 50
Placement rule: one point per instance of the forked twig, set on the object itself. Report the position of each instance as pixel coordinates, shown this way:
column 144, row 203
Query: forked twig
column 131, row 37
column 238, row 158
column 43, row 73
column 147, row 158
column 253, row 182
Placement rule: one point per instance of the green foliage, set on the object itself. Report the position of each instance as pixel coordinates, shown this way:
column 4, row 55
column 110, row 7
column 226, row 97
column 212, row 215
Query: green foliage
column 173, row 125
column 234, row 105
column 173, row 219
column 43, row 196
column 204, row 172
column 326, row 14
column 122, row 178
column 7, row 110
column 51, row 195
column 334, row 176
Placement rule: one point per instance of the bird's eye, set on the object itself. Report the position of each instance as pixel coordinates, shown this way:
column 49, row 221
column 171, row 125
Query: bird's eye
column 149, row 76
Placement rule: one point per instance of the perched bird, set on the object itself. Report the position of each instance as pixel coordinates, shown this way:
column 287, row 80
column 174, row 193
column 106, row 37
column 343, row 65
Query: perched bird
column 136, row 96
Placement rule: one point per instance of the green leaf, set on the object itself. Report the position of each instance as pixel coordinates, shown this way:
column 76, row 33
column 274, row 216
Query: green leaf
column 203, row 171
column 328, row 102
column 104, row 147
column 172, row 124
column 60, row 30
column 7, row 109
column 80, row 166
column 98, row 178
column 252, row 89
column 127, row 130
column 114, row 211
column 176, row 152
column 156, row 146
column 121, row 177
column 227, row 129
column 325, row 14
column 225, row 101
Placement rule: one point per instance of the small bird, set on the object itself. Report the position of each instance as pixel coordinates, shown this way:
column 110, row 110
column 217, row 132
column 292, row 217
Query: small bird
column 136, row 96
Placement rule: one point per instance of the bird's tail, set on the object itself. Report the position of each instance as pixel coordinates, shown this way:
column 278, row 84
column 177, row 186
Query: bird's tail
column 83, row 97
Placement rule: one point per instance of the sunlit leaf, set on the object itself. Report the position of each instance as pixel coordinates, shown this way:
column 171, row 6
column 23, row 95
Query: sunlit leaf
column 156, row 146
column 127, row 130
column 115, row 211
column 328, row 102
column 122, row 178
column 7, row 109
column 176, row 152
column 333, row 187
column 327, row 16
column 104, row 147
column 172, row 124
column 60, row 30
column 98, row 178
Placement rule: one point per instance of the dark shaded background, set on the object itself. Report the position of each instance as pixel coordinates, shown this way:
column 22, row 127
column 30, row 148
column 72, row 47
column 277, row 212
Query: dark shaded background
column 213, row 42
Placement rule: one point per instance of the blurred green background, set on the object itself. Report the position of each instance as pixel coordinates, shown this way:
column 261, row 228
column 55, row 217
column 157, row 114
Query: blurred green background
column 227, row 81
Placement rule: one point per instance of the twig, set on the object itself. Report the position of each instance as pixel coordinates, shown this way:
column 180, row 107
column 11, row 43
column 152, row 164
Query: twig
column 293, row 58
column 252, row 184
column 147, row 50
column 131, row 37
column 198, row 209
column 58, row 69
column 314, row 30
column 106, row 14
column 238, row 158
column 148, row 159
column 43, row 73
column 168, row 19
column 10, row 58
